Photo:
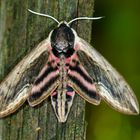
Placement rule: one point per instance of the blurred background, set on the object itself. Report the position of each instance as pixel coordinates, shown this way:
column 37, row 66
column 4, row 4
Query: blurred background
column 117, row 38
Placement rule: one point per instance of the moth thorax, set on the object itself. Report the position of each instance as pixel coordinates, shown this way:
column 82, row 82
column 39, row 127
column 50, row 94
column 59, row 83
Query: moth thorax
column 62, row 39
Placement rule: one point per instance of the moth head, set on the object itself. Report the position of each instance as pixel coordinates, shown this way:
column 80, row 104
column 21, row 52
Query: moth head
column 62, row 38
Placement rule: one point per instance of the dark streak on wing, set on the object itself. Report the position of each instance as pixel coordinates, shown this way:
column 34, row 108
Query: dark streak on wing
column 101, row 76
column 78, row 70
column 45, row 84
column 106, row 80
column 83, row 88
column 45, row 74
column 109, row 83
column 15, row 88
column 38, row 94
column 96, row 71
column 82, row 83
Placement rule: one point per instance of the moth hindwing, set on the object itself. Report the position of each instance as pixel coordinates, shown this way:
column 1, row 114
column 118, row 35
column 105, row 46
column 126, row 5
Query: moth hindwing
column 70, row 65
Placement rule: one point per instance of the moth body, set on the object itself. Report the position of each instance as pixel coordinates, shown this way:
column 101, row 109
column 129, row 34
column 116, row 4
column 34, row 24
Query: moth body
column 68, row 70
column 62, row 98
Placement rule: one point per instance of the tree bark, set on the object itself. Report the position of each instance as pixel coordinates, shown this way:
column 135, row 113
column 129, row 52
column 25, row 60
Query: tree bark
column 20, row 31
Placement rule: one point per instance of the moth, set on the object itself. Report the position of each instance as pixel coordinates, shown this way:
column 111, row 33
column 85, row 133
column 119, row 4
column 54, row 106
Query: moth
column 70, row 66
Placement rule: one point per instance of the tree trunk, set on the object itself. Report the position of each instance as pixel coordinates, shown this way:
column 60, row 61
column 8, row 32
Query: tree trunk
column 20, row 31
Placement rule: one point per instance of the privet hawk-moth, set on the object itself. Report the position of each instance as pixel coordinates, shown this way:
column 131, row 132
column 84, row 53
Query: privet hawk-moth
column 71, row 66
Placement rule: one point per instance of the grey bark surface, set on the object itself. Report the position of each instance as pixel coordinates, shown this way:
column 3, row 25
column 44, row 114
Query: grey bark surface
column 20, row 31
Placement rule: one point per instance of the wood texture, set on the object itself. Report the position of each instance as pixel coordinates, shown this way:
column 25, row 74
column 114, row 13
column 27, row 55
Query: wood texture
column 20, row 31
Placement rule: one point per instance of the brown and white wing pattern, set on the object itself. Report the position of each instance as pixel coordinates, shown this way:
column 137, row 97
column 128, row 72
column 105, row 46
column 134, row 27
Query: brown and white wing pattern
column 15, row 88
column 110, row 85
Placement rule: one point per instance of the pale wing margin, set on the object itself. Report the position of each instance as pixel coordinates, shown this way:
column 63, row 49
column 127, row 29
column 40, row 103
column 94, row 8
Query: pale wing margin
column 15, row 88
column 109, row 83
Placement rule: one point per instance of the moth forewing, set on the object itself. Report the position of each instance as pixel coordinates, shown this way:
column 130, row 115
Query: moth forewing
column 110, row 85
column 21, row 97
column 15, row 88
column 130, row 105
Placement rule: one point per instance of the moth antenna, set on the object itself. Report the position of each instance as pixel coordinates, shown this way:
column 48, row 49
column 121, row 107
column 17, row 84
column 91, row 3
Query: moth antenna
column 84, row 18
column 45, row 15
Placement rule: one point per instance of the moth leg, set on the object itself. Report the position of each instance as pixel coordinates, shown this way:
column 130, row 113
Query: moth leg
column 17, row 102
